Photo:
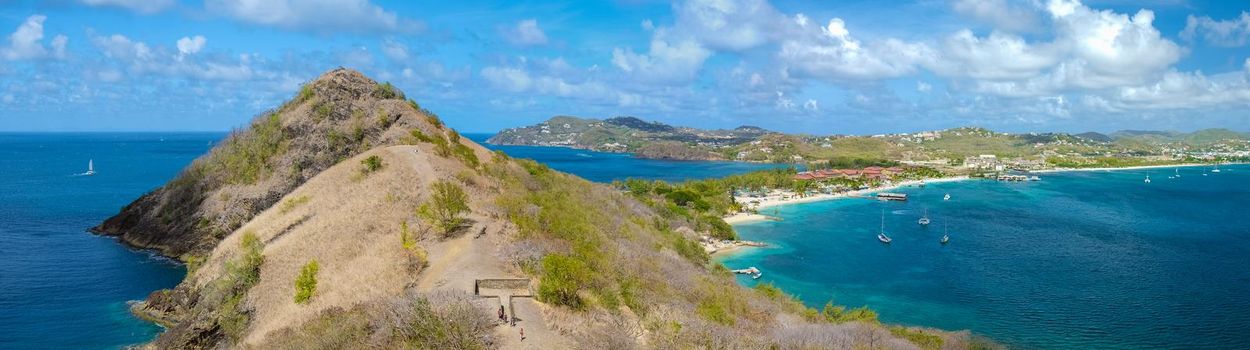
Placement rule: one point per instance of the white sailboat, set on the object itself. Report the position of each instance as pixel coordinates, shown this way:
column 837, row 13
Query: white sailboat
column 90, row 167
column 1178, row 173
column 946, row 197
column 1216, row 169
column 924, row 220
column 881, row 234
column 945, row 237
column 1147, row 178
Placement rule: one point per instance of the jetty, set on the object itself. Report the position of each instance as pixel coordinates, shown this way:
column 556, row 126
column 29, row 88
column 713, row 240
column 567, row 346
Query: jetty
column 1016, row 178
column 889, row 196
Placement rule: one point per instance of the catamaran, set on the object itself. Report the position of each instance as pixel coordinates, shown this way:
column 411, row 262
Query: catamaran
column 881, row 234
column 924, row 220
column 90, row 167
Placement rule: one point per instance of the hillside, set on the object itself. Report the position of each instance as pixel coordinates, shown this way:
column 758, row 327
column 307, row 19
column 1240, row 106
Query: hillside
column 629, row 134
column 383, row 248
column 946, row 149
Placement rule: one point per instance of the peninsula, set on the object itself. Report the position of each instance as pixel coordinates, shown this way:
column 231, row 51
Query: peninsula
column 959, row 147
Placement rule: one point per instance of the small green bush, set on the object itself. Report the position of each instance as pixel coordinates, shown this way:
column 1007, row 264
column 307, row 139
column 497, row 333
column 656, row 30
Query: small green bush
column 372, row 163
column 292, row 203
column 444, row 208
column 387, row 91
column 305, row 93
column 562, row 277
column 839, row 314
column 922, row 339
column 306, row 282
column 466, row 155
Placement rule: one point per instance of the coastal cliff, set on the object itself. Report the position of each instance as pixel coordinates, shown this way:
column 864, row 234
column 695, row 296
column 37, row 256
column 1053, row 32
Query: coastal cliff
column 381, row 242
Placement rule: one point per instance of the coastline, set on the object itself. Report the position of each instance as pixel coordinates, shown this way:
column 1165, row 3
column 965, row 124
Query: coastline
column 747, row 217
column 1139, row 167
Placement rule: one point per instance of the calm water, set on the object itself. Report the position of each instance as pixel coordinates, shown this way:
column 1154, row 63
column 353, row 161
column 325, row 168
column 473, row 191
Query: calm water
column 1080, row 260
column 605, row 167
column 60, row 286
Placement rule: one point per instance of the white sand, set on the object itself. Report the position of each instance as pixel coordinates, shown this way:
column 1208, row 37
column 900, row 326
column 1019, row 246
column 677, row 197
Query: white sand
column 773, row 201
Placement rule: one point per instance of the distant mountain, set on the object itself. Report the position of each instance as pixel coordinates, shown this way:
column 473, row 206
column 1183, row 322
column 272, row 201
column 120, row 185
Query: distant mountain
column 630, row 134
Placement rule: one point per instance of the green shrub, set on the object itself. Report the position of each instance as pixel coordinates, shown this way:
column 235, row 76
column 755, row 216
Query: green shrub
column 225, row 294
column 387, row 91
column 372, row 163
column 444, row 208
column 292, row 203
column 466, row 155
column 922, row 339
column 306, row 282
column 244, row 158
column 305, row 93
column 839, row 314
column 322, row 111
column 406, row 238
column 562, row 277
column 441, row 147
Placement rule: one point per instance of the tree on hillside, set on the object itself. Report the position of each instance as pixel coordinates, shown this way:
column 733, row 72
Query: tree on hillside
column 444, row 207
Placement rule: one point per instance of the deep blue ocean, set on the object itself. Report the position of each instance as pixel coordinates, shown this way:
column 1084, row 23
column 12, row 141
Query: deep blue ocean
column 60, row 286
column 1079, row 260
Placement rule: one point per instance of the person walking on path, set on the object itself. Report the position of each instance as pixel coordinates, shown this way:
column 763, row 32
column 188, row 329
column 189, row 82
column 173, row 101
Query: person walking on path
column 522, row 333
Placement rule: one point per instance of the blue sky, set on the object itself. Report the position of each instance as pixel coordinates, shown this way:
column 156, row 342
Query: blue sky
column 800, row 66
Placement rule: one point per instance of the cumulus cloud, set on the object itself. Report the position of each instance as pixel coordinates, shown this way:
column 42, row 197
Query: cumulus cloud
column 27, row 42
column 140, row 6
column 1227, row 33
column 999, row 13
column 731, row 25
column 664, row 62
column 190, row 45
column 140, row 58
column 831, row 52
column 546, row 82
column 998, row 56
column 525, row 33
column 325, row 16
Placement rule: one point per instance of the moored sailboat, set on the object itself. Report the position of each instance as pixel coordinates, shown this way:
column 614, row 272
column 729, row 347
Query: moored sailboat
column 881, row 234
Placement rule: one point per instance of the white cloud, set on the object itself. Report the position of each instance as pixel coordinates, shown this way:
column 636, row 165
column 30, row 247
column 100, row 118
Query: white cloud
column 526, row 33
column 811, row 105
column 394, row 50
column 999, row 56
column 1229, row 33
column 664, row 62
column 923, row 87
column 140, row 6
column 831, row 52
column 121, row 48
column 27, row 42
column 730, row 25
column 324, row 16
column 999, row 13
column 520, row 80
column 190, row 45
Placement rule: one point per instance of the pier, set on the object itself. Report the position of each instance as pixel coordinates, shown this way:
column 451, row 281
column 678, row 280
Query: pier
column 888, row 196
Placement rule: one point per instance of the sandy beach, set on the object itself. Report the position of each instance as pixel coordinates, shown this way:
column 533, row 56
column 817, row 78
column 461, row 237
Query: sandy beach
column 769, row 202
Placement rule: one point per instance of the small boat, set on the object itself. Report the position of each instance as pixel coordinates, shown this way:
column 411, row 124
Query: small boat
column 1147, row 178
column 924, row 220
column 1216, row 169
column 881, row 235
column 945, row 236
column 946, row 197
column 1178, row 173
column 90, row 167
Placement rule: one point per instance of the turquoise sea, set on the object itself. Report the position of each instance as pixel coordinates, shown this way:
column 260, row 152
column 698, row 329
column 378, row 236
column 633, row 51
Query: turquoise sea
column 60, row 286
column 1079, row 260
